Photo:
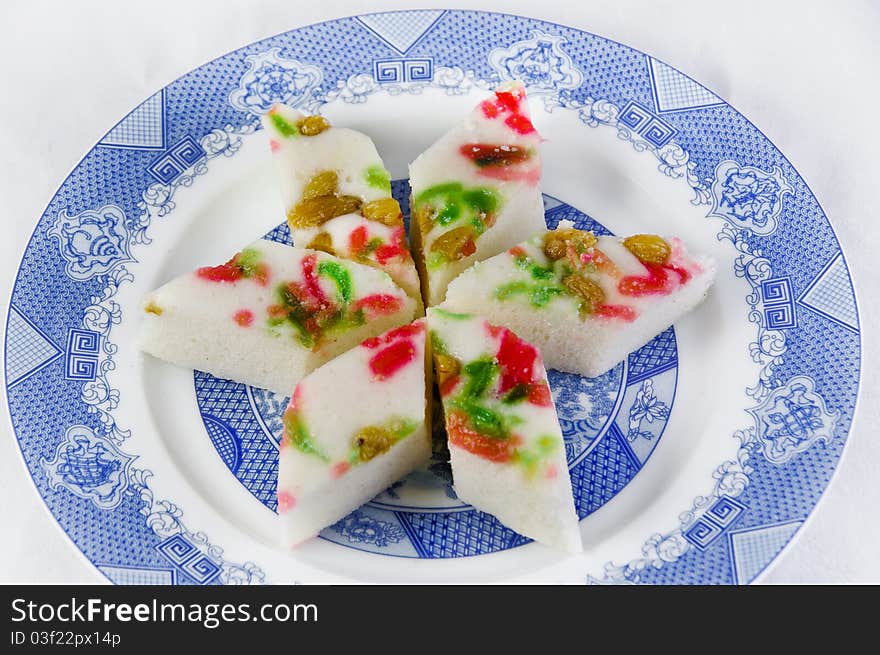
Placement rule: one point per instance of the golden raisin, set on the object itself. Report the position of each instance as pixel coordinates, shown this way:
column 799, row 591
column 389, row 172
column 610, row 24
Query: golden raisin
column 317, row 211
column 153, row 308
column 649, row 248
column 556, row 242
column 323, row 242
column 589, row 292
column 446, row 367
column 312, row 125
column 424, row 219
column 384, row 210
column 372, row 441
column 322, row 184
column 456, row 244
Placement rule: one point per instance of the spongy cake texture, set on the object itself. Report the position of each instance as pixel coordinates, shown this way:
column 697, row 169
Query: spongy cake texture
column 526, row 291
column 353, row 427
column 270, row 315
column 505, row 444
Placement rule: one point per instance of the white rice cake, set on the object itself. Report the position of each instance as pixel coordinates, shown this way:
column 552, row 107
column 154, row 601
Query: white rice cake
column 586, row 302
column 505, row 444
column 353, row 427
column 270, row 315
column 337, row 194
column 475, row 191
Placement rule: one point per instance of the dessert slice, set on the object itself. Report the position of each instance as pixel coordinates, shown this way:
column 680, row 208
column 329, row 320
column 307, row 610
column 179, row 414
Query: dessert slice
column 585, row 301
column 505, row 444
column 270, row 314
column 475, row 191
column 337, row 194
column 353, row 427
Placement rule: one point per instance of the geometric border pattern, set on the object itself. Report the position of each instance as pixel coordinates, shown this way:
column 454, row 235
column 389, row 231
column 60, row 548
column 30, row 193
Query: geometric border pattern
column 28, row 349
column 613, row 72
column 778, row 300
column 831, row 295
column 181, row 552
column 650, row 127
column 723, row 513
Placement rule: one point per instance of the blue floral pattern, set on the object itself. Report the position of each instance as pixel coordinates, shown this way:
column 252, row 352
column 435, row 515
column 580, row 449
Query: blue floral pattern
column 803, row 396
column 358, row 528
column 90, row 466
column 791, row 419
column 748, row 196
column 93, row 242
column 540, row 62
column 271, row 79
column 646, row 407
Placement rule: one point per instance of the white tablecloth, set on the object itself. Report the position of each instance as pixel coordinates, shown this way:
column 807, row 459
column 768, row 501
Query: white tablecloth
column 803, row 72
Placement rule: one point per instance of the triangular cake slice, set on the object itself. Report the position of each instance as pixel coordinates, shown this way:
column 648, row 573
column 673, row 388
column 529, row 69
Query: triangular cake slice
column 337, row 194
column 270, row 314
column 585, row 301
column 505, row 444
column 353, row 427
column 475, row 191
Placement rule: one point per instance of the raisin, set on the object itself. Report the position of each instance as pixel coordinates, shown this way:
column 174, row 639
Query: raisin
column 372, row 441
column 424, row 219
column 317, row 211
column 556, row 242
column 322, row 184
column 446, row 367
column 384, row 210
column 456, row 244
column 323, row 242
column 491, row 155
column 589, row 292
column 649, row 248
column 313, row 125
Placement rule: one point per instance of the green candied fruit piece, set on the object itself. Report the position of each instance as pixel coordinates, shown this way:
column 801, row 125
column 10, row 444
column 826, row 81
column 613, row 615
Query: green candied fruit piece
column 402, row 428
column 248, row 260
column 298, row 435
column 437, row 344
column 377, row 177
column 530, row 458
column 436, row 260
column 448, row 213
column 445, row 313
column 340, row 276
column 439, row 190
column 481, row 200
column 481, row 373
column 541, row 294
column 484, row 420
column 505, row 291
column 283, row 126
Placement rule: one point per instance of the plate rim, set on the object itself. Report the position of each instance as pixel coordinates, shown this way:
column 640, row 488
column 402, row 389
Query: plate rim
column 853, row 417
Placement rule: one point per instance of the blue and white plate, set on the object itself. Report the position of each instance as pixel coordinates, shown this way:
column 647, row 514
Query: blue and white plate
column 694, row 461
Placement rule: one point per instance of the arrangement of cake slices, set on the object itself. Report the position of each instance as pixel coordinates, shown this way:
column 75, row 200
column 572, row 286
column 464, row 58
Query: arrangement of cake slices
column 334, row 321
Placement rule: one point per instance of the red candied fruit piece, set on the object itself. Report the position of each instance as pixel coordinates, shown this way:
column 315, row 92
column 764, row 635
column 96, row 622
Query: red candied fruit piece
column 539, row 394
column 403, row 332
column 623, row 312
column 227, row 272
column 388, row 361
column 517, row 360
column 461, row 434
column 244, row 317
column 520, row 124
column 339, row 469
column 357, row 240
column 312, row 285
column 378, row 303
